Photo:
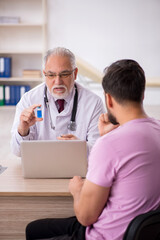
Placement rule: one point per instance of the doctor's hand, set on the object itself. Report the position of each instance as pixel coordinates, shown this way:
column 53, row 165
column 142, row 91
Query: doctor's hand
column 27, row 119
column 104, row 125
column 67, row 137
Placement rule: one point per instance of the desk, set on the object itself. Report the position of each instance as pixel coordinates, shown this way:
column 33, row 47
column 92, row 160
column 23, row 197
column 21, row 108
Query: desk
column 24, row 200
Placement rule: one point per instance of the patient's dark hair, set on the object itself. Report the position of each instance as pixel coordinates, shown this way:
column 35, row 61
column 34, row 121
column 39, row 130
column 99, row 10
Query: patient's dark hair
column 125, row 81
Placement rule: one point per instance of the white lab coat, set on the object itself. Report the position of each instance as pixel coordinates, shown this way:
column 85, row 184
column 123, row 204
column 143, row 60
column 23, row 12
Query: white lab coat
column 89, row 108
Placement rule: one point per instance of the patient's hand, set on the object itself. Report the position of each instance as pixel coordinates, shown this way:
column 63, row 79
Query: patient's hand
column 75, row 185
column 104, row 125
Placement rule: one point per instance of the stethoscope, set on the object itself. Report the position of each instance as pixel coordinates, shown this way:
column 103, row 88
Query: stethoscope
column 72, row 124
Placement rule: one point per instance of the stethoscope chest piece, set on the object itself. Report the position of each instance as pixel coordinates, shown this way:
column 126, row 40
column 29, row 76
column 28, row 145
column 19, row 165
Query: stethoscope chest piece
column 72, row 126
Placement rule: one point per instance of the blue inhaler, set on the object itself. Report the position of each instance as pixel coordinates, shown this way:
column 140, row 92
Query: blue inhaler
column 39, row 112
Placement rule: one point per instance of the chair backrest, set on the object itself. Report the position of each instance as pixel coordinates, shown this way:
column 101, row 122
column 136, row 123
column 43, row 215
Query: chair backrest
column 144, row 227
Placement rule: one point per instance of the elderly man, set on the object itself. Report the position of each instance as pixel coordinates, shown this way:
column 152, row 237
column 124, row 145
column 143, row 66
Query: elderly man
column 69, row 111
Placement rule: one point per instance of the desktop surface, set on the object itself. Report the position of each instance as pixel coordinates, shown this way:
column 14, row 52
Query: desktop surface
column 24, row 200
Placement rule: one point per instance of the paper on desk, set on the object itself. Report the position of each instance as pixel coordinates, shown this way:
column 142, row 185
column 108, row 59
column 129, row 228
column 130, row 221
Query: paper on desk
column 2, row 169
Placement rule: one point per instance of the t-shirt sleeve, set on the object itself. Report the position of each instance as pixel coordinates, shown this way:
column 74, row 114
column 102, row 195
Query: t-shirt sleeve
column 102, row 163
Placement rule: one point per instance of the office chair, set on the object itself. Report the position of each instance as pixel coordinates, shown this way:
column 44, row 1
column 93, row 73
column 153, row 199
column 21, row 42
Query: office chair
column 144, row 227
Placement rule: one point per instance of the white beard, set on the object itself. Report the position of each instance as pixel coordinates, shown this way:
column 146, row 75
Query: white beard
column 62, row 95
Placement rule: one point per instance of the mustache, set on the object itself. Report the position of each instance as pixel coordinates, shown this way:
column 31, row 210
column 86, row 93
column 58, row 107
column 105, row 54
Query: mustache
column 59, row 86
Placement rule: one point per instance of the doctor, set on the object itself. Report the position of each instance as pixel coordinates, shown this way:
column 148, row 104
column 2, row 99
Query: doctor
column 75, row 116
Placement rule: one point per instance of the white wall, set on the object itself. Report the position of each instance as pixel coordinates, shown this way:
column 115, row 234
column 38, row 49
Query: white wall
column 102, row 31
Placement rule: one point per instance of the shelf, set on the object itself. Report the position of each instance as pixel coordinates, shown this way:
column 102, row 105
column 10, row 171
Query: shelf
column 20, row 51
column 21, row 25
column 23, row 41
column 8, row 107
column 21, row 79
column 26, row 11
column 153, row 82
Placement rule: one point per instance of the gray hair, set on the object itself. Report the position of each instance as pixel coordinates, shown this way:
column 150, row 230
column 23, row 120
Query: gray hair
column 60, row 51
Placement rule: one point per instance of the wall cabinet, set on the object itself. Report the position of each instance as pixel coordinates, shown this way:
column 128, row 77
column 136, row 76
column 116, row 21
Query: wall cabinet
column 25, row 40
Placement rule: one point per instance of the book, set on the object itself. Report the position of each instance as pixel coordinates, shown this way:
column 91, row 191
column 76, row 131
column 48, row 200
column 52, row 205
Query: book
column 1, row 95
column 5, row 67
column 7, row 99
column 32, row 73
column 23, row 89
column 1, row 66
column 9, row 19
column 13, row 93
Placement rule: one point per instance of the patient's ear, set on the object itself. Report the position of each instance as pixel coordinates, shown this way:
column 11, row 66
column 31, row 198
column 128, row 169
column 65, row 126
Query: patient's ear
column 109, row 100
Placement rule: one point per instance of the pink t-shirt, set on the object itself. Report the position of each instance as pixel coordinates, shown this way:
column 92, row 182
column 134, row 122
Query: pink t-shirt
column 128, row 161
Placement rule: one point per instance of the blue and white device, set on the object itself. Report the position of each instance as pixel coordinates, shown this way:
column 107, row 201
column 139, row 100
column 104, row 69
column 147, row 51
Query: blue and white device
column 39, row 112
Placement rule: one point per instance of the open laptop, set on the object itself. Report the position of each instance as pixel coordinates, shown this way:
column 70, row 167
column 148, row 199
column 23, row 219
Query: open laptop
column 54, row 159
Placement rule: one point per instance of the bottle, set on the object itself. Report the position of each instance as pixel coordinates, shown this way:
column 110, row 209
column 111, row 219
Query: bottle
column 39, row 112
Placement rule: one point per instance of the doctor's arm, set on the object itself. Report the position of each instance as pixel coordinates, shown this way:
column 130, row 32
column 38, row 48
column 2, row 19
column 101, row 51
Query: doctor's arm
column 17, row 135
column 27, row 119
column 89, row 200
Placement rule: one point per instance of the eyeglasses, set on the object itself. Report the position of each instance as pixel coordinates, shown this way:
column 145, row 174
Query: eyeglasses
column 62, row 75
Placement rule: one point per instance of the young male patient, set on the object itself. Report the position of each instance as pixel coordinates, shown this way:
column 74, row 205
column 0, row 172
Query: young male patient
column 123, row 177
